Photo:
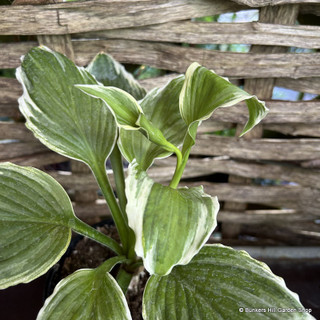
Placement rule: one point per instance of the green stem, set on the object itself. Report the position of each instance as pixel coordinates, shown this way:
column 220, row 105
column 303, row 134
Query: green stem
column 120, row 222
column 186, row 148
column 179, row 170
column 84, row 229
column 124, row 279
column 109, row 264
column 117, row 167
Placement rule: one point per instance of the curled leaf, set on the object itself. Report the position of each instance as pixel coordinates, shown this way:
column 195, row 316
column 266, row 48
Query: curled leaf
column 171, row 225
column 204, row 91
column 161, row 107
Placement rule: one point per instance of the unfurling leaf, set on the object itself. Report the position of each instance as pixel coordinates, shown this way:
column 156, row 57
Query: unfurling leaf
column 111, row 73
column 87, row 294
column 124, row 107
column 204, row 91
column 65, row 119
column 35, row 219
column 128, row 113
column 220, row 283
column 171, row 225
column 161, row 107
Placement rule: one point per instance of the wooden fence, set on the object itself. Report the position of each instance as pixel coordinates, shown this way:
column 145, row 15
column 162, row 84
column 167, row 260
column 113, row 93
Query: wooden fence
column 151, row 33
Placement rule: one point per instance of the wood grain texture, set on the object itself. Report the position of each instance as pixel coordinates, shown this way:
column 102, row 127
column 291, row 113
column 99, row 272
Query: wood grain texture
column 249, row 169
column 262, row 149
column 295, row 129
column 280, row 112
column 10, row 110
column 10, row 90
column 15, row 131
column 264, row 3
column 176, row 58
column 263, row 216
column 303, row 199
column 38, row 160
column 198, row 168
column 10, row 53
column 308, row 85
column 312, row 8
column 295, row 115
column 74, row 17
column 19, row 149
column 216, row 33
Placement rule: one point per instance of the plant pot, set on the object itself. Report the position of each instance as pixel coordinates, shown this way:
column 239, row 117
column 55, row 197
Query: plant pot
column 86, row 253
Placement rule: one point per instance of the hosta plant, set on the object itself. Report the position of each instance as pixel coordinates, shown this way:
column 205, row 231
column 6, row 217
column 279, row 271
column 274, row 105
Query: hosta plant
column 101, row 112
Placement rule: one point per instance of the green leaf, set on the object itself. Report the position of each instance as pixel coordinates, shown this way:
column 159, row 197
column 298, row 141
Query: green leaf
column 124, row 107
column 87, row 294
column 161, row 107
column 128, row 113
column 35, row 215
column 111, row 73
column 204, row 91
column 215, row 285
column 171, row 225
column 61, row 116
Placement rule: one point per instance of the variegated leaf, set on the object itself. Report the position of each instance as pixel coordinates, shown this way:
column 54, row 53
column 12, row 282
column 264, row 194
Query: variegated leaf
column 35, row 219
column 220, row 283
column 65, row 119
column 204, row 91
column 161, row 107
column 111, row 73
column 87, row 294
column 171, row 225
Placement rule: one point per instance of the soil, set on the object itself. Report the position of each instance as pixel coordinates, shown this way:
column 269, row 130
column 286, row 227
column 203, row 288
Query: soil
column 86, row 253
column 301, row 276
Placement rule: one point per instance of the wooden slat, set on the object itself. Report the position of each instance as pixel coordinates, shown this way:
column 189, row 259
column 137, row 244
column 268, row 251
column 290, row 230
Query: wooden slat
column 16, row 131
column 178, row 58
column 10, row 90
column 262, row 3
column 295, row 118
column 312, row 8
column 151, row 83
column 297, row 233
column 11, row 53
column 262, row 216
column 262, row 149
column 38, row 160
column 295, row 129
column 309, row 85
column 208, row 166
column 77, row 181
column 74, row 17
column 280, row 112
column 9, row 110
column 217, row 33
column 90, row 210
column 13, row 150
column 303, row 199
column 197, row 168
